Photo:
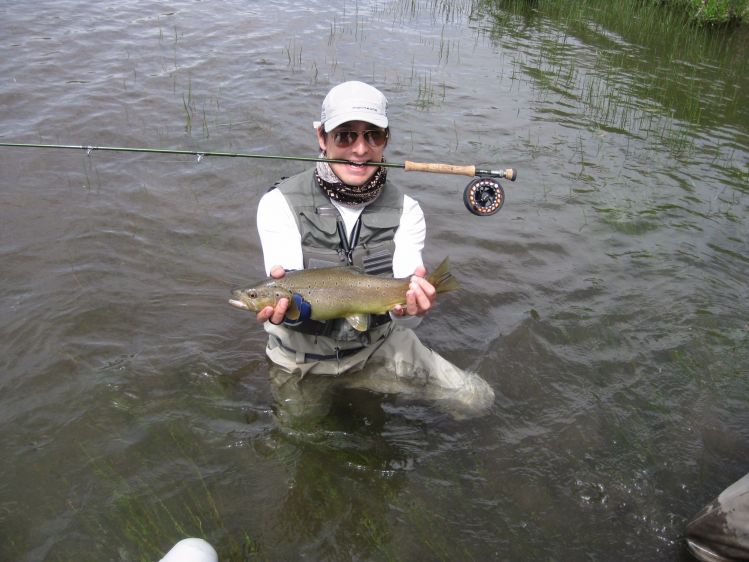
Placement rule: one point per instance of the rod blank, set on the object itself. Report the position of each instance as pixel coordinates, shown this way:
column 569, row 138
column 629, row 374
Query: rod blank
column 437, row 168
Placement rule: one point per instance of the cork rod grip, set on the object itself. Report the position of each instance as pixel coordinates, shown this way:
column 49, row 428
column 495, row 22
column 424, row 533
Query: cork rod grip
column 440, row 168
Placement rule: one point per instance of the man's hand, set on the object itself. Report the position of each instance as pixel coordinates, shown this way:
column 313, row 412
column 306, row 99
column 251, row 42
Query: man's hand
column 420, row 296
column 277, row 314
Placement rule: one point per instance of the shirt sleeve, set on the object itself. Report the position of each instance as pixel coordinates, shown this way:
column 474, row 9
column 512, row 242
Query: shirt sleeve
column 409, row 239
column 409, row 243
column 279, row 234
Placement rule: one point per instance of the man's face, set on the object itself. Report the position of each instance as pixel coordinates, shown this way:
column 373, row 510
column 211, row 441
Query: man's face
column 348, row 141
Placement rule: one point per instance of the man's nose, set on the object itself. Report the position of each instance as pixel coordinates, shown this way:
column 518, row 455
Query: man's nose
column 360, row 144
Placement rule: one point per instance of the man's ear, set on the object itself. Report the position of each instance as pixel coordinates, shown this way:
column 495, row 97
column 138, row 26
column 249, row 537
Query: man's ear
column 321, row 139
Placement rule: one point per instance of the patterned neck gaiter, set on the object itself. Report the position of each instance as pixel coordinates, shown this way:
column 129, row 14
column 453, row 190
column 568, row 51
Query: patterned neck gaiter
column 349, row 194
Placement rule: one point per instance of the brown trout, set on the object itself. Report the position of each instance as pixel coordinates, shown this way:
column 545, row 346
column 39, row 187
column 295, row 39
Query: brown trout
column 338, row 292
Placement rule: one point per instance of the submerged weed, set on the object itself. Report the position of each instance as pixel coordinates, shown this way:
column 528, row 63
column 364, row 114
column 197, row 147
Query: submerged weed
column 144, row 521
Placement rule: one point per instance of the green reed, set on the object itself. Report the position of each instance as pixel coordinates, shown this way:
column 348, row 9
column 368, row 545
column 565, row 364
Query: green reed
column 646, row 70
column 712, row 12
column 293, row 53
column 429, row 94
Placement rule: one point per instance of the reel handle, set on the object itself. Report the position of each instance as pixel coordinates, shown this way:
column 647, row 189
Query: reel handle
column 439, row 168
column 508, row 173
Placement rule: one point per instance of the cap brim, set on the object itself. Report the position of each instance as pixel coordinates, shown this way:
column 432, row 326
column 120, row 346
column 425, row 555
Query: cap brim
column 366, row 116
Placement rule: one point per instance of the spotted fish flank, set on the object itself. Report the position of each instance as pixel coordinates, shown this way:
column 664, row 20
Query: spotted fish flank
column 337, row 292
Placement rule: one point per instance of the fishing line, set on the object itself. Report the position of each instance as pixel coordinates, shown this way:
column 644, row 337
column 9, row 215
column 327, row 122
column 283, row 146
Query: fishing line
column 483, row 196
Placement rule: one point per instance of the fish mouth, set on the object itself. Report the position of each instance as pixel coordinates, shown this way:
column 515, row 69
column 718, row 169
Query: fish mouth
column 238, row 304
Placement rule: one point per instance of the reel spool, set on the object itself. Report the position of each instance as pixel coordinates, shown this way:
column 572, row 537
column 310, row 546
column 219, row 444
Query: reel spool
column 484, row 196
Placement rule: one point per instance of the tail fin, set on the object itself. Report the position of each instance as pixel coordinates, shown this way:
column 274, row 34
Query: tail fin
column 442, row 279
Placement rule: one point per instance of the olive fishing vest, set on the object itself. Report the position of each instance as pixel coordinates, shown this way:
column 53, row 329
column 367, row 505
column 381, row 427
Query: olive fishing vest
column 325, row 242
column 324, row 238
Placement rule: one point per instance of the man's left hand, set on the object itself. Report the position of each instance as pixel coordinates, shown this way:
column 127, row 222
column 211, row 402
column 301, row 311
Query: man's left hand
column 420, row 296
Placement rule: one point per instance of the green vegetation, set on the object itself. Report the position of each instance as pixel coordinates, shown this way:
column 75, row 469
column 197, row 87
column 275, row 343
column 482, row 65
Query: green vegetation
column 143, row 519
column 705, row 13
column 623, row 88
column 712, row 12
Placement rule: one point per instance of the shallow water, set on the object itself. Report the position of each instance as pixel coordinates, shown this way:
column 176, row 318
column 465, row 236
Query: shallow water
column 605, row 303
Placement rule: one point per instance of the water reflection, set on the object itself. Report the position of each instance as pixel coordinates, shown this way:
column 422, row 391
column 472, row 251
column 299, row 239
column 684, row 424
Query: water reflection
column 605, row 303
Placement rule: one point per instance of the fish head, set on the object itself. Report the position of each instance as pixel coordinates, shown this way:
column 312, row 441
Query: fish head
column 256, row 299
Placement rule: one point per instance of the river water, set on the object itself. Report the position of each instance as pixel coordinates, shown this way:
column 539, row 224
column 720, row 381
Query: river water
column 606, row 303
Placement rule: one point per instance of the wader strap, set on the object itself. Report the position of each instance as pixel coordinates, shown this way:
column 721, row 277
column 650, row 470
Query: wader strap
column 301, row 357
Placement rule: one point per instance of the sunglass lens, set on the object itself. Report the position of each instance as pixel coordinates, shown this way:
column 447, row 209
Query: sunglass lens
column 344, row 139
column 375, row 138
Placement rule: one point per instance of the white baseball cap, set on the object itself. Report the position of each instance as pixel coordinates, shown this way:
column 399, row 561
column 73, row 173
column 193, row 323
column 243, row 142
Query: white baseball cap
column 353, row 101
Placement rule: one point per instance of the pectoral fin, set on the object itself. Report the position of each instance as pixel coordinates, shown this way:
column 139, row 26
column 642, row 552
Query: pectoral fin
column 292, row 313
column 359, row 322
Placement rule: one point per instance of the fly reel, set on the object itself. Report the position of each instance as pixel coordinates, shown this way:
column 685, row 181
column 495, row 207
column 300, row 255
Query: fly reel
column 484, row 196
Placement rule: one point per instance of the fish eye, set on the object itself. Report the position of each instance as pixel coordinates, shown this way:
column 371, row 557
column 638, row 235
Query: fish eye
column 252, row 294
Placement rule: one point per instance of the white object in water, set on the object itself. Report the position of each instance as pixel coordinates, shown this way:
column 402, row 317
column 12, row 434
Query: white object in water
column 191, row 550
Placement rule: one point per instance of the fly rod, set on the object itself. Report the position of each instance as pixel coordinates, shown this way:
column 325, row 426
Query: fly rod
column 483, row 196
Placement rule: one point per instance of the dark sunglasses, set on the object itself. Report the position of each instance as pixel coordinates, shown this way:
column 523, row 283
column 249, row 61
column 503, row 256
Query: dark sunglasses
column 375, row 138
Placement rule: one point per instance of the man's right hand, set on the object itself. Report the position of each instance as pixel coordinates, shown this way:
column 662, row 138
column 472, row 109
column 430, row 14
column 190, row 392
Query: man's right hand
column 278, row 313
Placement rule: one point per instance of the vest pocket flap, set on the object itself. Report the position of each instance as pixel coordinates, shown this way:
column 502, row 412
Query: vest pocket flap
column 382, row 220
column 314, row 221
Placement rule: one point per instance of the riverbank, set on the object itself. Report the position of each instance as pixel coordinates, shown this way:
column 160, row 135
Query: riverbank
column 703, row 13
column 712, row 12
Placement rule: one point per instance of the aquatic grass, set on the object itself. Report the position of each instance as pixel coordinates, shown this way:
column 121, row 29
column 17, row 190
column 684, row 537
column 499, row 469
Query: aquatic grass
column 602, row 59
column 206, row 133
column 427, row 93
column 293, row 55
column 442, row 11
column 146, row 522
column 188, row 106
column 444, row 50
column 711, row 12
column 203, row 112
column 627, row 221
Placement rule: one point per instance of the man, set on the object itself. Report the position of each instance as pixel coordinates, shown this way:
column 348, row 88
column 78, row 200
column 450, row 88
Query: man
column 351, row 214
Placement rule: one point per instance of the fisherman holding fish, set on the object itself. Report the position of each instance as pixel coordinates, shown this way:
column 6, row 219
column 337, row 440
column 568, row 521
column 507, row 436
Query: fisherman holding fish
column 339, row 214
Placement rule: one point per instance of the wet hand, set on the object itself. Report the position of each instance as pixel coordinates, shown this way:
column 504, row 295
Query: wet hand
column 275, row 314
column 420, row 296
